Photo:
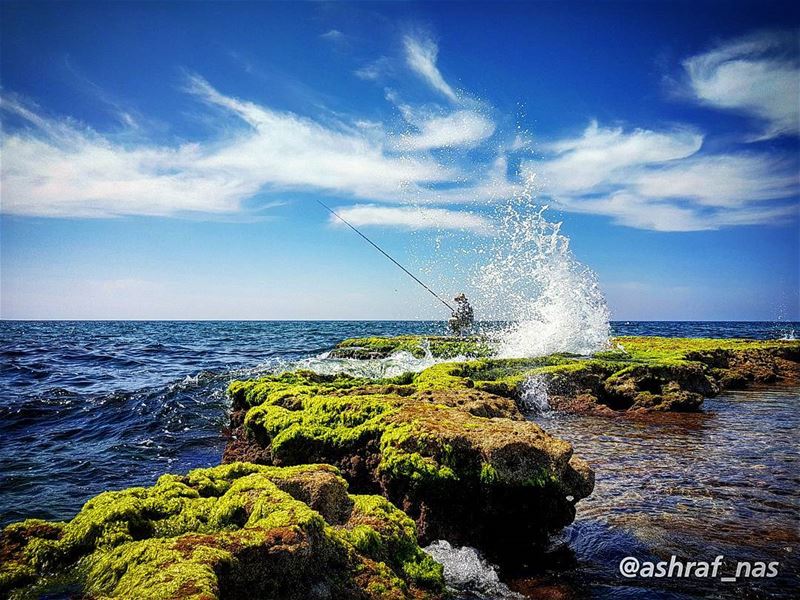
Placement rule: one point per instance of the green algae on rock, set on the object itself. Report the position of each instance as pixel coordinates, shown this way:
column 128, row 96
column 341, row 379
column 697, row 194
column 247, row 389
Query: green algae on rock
column 231, row 531
column 462, row 462
column 634, row 374
column 417, row 346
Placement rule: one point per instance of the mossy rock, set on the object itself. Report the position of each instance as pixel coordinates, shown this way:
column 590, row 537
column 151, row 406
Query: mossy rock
column 238, row 530
column 636, row 374
column 417, row 346
column 463, row 462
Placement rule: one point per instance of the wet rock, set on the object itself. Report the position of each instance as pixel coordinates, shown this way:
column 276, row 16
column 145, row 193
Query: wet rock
column 235, row 531
column 639, row 375
column 736, row 369
column 418, row 346
column 462, row 462
column 654, row 387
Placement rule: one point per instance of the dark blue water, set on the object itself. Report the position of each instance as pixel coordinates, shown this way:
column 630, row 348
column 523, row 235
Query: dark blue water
column 90, row 405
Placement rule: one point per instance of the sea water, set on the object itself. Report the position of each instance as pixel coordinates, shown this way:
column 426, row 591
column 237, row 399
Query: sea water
column 87, row 406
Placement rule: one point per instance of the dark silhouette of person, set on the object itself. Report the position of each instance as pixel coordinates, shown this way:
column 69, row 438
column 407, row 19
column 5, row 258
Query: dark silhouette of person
column 463, row 317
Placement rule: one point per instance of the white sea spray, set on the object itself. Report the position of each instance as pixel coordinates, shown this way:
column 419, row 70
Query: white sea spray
column 534, row 397
column 531, row 280
column 466, row 571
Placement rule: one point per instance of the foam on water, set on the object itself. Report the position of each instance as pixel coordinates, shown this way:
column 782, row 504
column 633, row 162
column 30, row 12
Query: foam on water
column 534, row 398
column 466, row 571
column 391, row 366
column 532, row 280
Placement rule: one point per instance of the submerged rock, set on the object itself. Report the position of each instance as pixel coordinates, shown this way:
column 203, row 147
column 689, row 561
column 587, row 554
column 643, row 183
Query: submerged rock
column 462, row 462
column 238, row 530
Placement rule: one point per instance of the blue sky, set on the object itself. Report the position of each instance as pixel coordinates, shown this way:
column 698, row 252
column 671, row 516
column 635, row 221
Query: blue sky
column 161, row 160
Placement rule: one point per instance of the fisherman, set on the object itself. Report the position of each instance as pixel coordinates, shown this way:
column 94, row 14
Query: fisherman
column 463, row 317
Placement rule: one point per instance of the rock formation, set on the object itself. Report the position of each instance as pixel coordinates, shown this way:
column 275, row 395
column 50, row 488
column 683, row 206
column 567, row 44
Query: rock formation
column 233, row 531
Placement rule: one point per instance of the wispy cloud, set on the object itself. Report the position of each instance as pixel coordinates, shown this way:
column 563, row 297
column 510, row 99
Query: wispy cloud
column 421, row 56
column 758, row 75
column 720, row 180
column 661, row 181
column 462, row 128
column 413, row 218
column 58, row 168
column 375, row 69
column 333, row 35
column 641, row 212
column 649, row 178
column 601, row 155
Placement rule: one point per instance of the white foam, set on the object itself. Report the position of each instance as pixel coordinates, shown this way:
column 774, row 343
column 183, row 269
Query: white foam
column 396, row 364
column 534, row 397
column 466, row 571
column 391, row 366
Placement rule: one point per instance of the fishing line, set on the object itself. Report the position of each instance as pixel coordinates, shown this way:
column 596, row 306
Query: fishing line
column 379, row 249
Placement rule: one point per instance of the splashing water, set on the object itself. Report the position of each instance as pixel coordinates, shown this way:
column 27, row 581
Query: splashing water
column 534, row 397
column 391, row 366
column 466, row 570
column 552, row 302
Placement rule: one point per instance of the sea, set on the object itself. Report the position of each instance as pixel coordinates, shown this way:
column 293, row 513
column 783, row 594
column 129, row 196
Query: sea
column 89, row 406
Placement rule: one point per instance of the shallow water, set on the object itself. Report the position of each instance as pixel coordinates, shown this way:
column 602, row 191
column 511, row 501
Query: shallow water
column 721, row 482
column 91, row 406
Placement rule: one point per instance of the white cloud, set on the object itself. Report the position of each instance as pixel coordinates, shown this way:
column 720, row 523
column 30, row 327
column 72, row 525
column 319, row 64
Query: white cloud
column 374, row 70
column 600, row 154
column 333, row 35
column 757, row 75
column 650, row 179
column 634, row 211
column 421, row 55
column 461, row 128
column 489, row 186
column 412, row 218
column 661, row 181
column 58, row 168
column 727, row 180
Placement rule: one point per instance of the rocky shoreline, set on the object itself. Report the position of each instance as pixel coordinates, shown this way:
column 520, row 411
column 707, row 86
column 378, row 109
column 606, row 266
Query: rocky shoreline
column 446, row 453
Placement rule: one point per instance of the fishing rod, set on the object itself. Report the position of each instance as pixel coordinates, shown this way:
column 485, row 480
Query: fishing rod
column 379, row 249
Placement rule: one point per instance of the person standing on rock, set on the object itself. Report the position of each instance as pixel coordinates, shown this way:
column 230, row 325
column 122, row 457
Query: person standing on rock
column 463, row 318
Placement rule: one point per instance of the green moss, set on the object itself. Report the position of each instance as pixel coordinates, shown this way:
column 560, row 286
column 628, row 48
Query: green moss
column 418, row 346
column 675, row 350
column 442, row 376
column 329, row 427
column 286, row 388
column 540, row 479
column 392, row 542
column 488, row 473
column 249, row 524
column 325, row 426
column 155, row 569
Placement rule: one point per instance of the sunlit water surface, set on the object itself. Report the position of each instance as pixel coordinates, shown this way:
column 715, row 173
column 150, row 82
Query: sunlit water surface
column 721, row 482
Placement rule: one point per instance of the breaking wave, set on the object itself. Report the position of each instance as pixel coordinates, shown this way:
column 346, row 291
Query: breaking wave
column 391, row 366
column 466, row 571
column 532, row 281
